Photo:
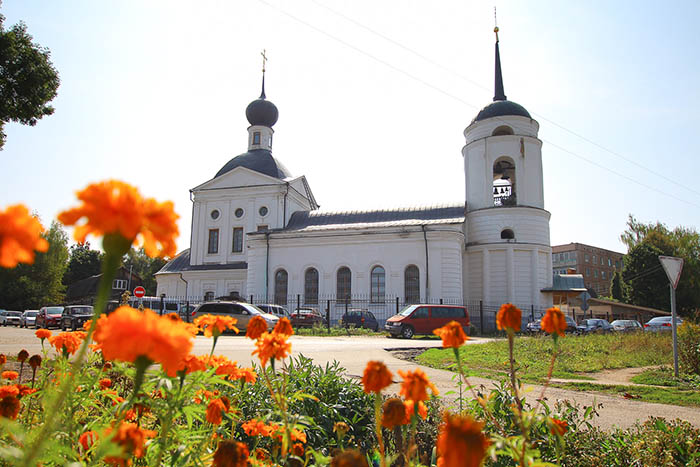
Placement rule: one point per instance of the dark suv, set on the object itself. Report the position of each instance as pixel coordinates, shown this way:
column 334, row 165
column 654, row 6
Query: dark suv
column 74, row 316
column 594, row 325
column 359, row 318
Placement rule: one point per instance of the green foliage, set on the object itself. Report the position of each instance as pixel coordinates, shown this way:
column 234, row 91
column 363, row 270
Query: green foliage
column 616, row 292
column 689, row 348
column 664, row 376
column 643, row 287
column 28, row 80
column 578, row 355
column 337, row 331
column 145, row 267
column 31, row 286
column 82, row 264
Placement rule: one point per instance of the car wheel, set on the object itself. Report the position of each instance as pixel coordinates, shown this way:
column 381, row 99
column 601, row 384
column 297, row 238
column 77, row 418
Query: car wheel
column 407, row 332
column 376, row 327
column 73, row 326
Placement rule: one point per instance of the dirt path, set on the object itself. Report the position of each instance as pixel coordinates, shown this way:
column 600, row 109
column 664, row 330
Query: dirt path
column 621, row 376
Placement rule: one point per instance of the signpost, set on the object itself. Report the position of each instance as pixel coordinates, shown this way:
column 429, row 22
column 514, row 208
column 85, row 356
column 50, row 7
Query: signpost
column 139, row 292
column 673, row 267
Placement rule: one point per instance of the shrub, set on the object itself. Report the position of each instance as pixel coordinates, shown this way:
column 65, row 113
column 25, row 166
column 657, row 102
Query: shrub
column 689, row 348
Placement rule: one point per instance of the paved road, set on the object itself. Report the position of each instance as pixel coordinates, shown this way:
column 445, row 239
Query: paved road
column 354, row 352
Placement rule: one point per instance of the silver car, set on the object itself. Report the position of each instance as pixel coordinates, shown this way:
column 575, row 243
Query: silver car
column 243, row 312
column 28, row 318
column 661, row 324
column 12, row 318
column 626, row 325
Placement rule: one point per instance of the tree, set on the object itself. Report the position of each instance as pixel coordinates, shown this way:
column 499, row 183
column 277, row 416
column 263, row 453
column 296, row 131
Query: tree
column 31, row 286
column 83, row 263
column 644, row 280
column 616, row 292
column 28, row 80
column 145, row 267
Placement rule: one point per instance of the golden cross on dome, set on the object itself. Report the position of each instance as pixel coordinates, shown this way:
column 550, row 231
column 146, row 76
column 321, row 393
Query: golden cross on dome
column 495, row 23
column 264, row 59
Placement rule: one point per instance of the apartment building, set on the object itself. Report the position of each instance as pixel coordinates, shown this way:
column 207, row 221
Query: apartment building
column 597, row 265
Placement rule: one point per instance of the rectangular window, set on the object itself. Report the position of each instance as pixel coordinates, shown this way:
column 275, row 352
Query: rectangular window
column 262, row 228
column 609, row 262
column 237, row 240
column 588, row 272
column 602, row 274
column 595, row 260
column 256, row 137
column 119, row 284
column 586, row 258
column 213, row 247
column 595, row 273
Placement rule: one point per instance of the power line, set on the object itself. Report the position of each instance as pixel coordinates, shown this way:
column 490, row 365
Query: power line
column 481, row 86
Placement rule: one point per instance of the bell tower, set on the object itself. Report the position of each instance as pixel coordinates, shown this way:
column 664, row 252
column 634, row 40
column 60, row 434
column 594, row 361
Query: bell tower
column 508, row 252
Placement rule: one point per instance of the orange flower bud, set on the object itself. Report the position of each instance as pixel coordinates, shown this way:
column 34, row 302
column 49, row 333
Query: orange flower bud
column 554, row 321
column 376, row 377
column 461, row 442
column 509, row 317
column 452, row 334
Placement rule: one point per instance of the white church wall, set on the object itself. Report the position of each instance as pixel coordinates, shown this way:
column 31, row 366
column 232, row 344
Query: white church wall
column 528, row 225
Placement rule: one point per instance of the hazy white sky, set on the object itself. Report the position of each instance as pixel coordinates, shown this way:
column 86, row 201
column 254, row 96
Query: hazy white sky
column 373, row 99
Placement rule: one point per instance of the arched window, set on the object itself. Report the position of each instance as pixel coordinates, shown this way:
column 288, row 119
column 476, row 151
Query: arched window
column 502, row 130
column 208, row 296
column 411, row 285
column 343, row 285
column 504, row 182
column 507, row 234
column 377, row 284
column 311, row 286
column 281, row 287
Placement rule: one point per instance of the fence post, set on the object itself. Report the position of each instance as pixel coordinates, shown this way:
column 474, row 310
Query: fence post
column 346, row 312
column 441, row 301
column 251, row 299
column 298, row 302
column 187, row 307
column 481, row 316
column 532, row 312
column 328, row 316
column 397, row 305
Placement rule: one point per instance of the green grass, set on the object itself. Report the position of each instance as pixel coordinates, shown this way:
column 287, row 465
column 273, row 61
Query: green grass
column 336, row 331
column 664, row 377
column 579, row 356
column 675, row 396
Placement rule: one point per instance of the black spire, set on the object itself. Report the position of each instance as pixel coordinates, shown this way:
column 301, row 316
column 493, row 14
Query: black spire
column 500, row 93
column 262, row 94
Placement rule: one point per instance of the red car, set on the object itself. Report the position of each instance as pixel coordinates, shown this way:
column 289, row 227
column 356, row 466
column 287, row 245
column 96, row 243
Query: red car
column 306, row 318
column 424, row 319
column 49, row 316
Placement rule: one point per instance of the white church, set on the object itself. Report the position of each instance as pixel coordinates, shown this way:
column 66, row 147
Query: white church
column 257, row 230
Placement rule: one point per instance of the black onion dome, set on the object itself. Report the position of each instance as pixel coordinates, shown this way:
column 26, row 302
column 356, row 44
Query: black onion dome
column 260, row 160
column 501, row 109
column 262, row 112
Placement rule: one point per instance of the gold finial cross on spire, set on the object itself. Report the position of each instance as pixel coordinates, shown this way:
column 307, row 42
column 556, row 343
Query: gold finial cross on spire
column 495, row 23
column 264, row 59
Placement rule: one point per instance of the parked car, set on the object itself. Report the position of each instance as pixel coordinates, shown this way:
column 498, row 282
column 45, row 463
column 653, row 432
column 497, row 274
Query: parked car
column 424, row 319
column 243, row 312
column 277, row 310
column 74, row 316
column 154, row 303
column 306, row 318
column 28, row 318
column 359, row 318
column 2, row 317
column 626, row 325
column 661, row 323
column 48, row 316
column 12, row 318
column 534, row 327
column 594, row 325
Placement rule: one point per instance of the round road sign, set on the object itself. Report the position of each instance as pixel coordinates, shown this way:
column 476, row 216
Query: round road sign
column 139, row 292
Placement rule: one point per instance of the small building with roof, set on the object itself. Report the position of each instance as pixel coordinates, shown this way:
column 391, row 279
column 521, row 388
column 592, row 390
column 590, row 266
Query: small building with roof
column 257, row 230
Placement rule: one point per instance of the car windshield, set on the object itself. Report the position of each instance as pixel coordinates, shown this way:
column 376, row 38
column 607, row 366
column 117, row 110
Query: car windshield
column 54, row 310
column 254, row 310
column 82, row 310
column 14, row 313
column 662, row 319
column 31, row 313
column 408, row 310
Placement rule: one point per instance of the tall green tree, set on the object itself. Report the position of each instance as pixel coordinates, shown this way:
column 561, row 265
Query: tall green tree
column 616, row 292
column 84, row 262
column 31, row 286
column 28, row 80
column 145, row 267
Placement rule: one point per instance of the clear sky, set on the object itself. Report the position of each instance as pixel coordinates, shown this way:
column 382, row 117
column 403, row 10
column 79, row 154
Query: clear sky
column 373, row 99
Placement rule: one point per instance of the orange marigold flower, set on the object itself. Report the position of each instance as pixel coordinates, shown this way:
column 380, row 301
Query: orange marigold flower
column 554, row 321
column 20, row 235
column 231, row 453
column 192, row 363
column 114, row 207
column 558, row 427
column 296, row 435
column 216, row 409
column 415, row 384
column 349, row 458
column 9, row 390
column 107, row 366
column 42, row 333
column 298, row 449
column 256, row 326
column 284, row 326
column 132, row 439
column 394, row 413
column 247, row 374
column 35, row 361
column 22, row 355
column 3, row 359
column 67, row 342
column 11, row 375
column 127, row 334
column 509, row 317
column 376, row 377
column 9, row 407
column 461, row 442
column 214, row 325
column 25, row 390
column 452, row 334
column 87, row 439
column 341, row 428
column 105, row 383
column 411, row 410
column 227, row 368
column 272, row 345
column 255, row 427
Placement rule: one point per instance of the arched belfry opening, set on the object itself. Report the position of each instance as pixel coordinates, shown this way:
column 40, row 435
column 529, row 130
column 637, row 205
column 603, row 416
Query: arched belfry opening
column 504, row 192
column 502, row 131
